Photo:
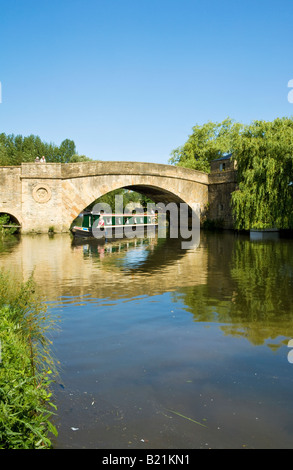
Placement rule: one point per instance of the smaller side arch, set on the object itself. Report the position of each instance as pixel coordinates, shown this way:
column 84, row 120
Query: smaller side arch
column 14, row 216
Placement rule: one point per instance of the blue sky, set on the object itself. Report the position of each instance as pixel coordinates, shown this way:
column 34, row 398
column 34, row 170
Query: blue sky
column 128, row 79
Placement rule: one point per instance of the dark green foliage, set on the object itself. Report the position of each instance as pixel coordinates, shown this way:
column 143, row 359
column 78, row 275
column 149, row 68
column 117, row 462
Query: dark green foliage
column 127, row 195
column 17, row 149
column 7, row 227
column 264, row 155
column 26, row 367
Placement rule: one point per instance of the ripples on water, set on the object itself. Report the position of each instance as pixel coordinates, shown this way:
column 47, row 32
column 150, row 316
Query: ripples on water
column 167, row 348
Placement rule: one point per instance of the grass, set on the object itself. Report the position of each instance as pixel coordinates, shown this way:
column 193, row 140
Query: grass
column 27, row 368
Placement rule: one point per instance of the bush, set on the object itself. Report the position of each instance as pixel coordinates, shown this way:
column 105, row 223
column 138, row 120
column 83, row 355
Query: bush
column 26, row 369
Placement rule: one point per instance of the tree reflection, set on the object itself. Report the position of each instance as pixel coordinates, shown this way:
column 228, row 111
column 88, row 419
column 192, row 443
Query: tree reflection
column 249, row 290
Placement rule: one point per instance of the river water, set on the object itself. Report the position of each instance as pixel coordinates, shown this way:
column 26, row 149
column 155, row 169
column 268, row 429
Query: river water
column 167, row 348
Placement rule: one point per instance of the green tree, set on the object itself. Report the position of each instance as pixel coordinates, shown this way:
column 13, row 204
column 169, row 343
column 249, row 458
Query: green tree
column 3, row 152
column 8, row 152
column 264, row 154
column 206, row 143
column 79, row 158
column 67, row 150
column 17, row 149
column 128, row 197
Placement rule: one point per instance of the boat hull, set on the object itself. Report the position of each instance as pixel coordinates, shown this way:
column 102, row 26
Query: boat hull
column 109, row 233
column 108, row 226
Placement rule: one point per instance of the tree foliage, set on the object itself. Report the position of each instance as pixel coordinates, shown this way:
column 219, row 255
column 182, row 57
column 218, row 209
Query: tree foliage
column 79, row 158
column 128, row 197
column 206, row 143
column 15, row 149
column 263, row 151
column 7, row 226
column 264, row 155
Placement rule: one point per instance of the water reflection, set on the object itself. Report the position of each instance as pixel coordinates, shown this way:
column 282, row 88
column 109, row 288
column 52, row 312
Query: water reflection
column 148, row 327
column 62, row 267
column 248, row 289
column 246, row 286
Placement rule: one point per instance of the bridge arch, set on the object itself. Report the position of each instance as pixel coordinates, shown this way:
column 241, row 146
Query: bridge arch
column 155, row 193
column 159, row 189
column 41, row 196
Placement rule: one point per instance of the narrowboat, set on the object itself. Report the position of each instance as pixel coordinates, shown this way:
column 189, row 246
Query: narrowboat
column 103, row 225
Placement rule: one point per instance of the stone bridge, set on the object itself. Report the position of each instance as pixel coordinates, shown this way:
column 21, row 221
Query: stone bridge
column 43, row 195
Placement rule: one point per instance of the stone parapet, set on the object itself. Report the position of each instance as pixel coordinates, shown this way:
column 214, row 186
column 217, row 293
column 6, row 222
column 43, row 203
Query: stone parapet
column 77, row 170
column 41, row 170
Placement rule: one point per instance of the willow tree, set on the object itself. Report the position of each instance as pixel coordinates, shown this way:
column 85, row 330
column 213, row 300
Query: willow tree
column 264, row 155
column 206, row 143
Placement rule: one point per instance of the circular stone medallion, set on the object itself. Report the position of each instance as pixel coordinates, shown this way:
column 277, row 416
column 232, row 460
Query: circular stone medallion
column 42, row 193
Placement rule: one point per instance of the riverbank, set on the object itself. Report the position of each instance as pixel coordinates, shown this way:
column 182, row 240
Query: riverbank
column 26, row 367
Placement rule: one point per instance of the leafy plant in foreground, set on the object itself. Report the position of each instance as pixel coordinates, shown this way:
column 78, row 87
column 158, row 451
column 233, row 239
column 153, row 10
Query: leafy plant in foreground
column 27, row 368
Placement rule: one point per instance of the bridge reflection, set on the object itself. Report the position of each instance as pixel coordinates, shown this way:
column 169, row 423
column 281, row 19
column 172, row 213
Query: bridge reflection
column 62, row 268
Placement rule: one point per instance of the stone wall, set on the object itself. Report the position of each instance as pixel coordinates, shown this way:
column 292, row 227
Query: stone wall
column 10, row 191
column 41, row 197
column 221, row 186
column 223, row 164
